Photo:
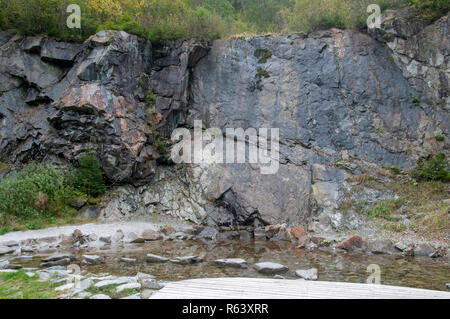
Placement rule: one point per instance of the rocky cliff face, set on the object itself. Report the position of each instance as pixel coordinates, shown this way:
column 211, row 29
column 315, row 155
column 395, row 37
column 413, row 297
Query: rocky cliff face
column 345, row 103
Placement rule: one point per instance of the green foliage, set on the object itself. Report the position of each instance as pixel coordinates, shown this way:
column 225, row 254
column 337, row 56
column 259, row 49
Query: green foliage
column 19, row 285
column 36, row 196
column 439, row 138
column 206, row 19
column 395, row 170
column 263, row 55
column 261, row 73
column 160, row 147
column 434, row 169
column 89, row 176
column 431, row 9
column 309, row 15
column 150, row 98
column 415, row 100
column 257, row 84
column 383, row 209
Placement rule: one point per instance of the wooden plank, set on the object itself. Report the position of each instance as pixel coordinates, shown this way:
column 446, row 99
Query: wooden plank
column 260, row 288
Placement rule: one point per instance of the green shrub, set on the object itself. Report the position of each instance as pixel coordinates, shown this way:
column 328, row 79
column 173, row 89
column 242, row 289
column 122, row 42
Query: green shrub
column 415, row 100
column 434, row 169
column 160, row 147
column 310, row 15
column 159, row 20
column 88, row 177
column 150, row 98
column 261, row 73
column 440, row 138
column 38, row 190
column 431, row 9
column 263, row 55
column 395, row 170
column 383, row 209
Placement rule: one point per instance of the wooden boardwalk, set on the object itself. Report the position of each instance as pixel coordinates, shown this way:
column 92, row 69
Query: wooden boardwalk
column 257, row 288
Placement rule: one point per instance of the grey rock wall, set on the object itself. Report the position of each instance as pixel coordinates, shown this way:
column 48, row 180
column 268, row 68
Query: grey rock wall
column 345, row 102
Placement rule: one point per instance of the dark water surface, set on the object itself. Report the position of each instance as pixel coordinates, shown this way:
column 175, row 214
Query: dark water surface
column 344, row 267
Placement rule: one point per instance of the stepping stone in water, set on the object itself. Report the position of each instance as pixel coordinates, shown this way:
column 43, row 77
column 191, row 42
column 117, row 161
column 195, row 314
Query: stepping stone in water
column 232, row 262
column 92, row 260
column 151, row 258
column 128, row 260
column 270, row 268
column 57, row 257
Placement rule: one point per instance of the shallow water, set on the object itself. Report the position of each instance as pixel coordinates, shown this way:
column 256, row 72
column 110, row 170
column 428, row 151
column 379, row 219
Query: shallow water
column 344, row 267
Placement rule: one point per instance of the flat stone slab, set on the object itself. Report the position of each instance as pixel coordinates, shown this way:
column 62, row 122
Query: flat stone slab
column 12, row 243
column 151, row 258
column 117, row 281
column 232, row 262
column 309, row 274
column 270, row 268
column 6, row 250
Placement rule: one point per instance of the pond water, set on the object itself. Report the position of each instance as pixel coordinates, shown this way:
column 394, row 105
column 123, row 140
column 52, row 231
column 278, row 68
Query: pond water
column 333, row 266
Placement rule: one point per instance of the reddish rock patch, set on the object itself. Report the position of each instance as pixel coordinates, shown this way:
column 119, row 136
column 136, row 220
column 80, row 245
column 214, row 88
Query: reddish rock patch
column 272, row 230
column 151, row 235
column 351, row 243
column 299, row 233
column 167, row 230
